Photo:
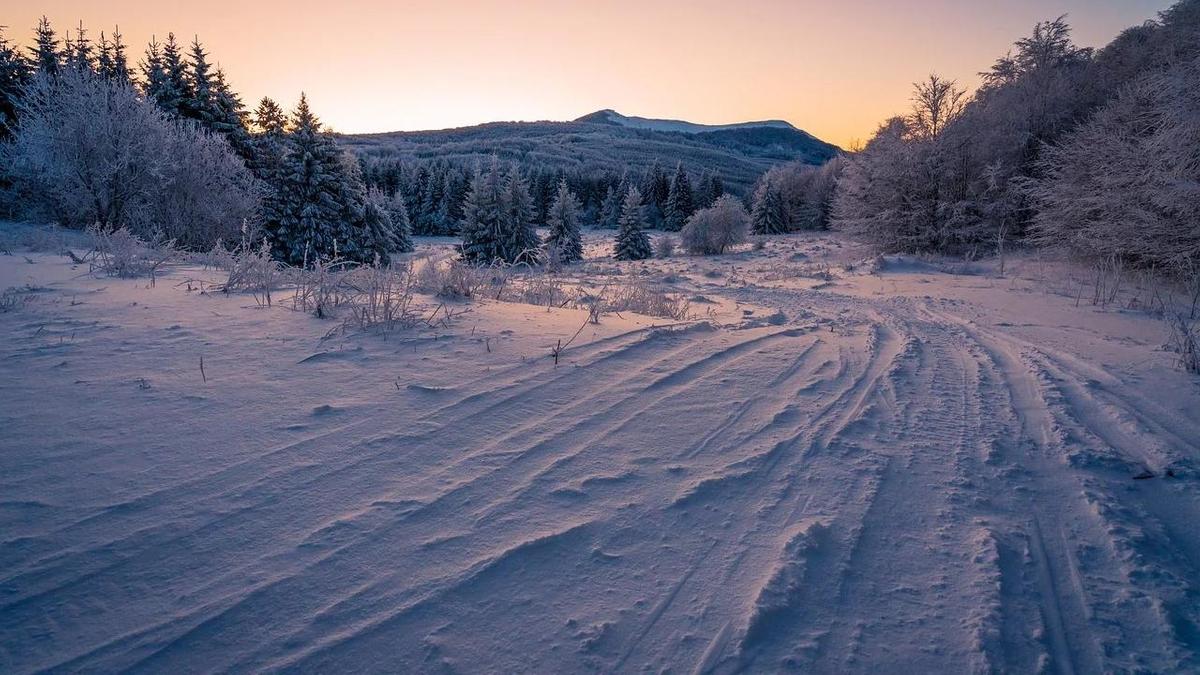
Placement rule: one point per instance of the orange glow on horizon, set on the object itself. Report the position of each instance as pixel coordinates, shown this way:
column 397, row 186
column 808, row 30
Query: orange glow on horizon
column 833, row 69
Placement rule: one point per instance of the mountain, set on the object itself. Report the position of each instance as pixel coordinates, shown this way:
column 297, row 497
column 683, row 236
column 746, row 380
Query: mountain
column 607, row 116
column 606, row 141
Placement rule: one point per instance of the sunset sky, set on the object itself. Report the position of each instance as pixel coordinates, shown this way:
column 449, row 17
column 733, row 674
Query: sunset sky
column 833, row 68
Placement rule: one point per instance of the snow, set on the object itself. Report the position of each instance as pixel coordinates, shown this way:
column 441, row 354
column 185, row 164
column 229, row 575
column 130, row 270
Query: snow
column 843, row 464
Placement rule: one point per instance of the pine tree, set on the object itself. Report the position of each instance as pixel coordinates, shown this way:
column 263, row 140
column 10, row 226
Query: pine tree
column 229, row 117
column 610, row 209
column 680, row 202
column 632, row 243
column 320, row 201
column 198, row 102
column 768, row 214
column 519, row 239
column 46, row 55
column 120, row 61
column 401, row 226
column 169, row 89
column 564, row 239
column 104, row 57
column 14, row 75
column 716, row 189
column 379, row 226
column 482, row 219
column 78, row 53
column 154, row 76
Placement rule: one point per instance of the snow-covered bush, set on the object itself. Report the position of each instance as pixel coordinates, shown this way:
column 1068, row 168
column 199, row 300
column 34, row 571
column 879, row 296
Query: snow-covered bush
column 90, row 151
column 121, row 253
column 664, row 246
column 713, row 230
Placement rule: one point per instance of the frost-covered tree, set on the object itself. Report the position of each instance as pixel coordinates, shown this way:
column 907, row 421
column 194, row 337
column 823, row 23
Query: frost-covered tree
column 519, row 241
column 1126, row 184
column 564, row 240
column 14, row 76
column 768, row 213
column 166, row 77
column 78, row 53
column 401, row 225
column 45, row 52
column 483, row 217
column 656, row 187
column 319, row 201
column 713, row 230
column 904, row 190
column 632, row 242
column 91, row 151
column 199, row 102
column 680, row 201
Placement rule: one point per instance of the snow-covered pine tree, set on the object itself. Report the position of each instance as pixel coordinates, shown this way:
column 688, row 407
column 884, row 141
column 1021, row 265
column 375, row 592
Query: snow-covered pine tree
column 198, row 103
column 769, row 214
column 119, row 70
column 377, row 221
column 78, row 52
column 519, row 241
column 680, row 202
column 229, row 116
column 45, row 53
column 655, row 190
column 401, row 226
column 104, row 57
column 14, row 75
column 171, row 89
column 481, row 223
column 610, row 209
column 564, row 240
column 632, row 243
column 320, row 201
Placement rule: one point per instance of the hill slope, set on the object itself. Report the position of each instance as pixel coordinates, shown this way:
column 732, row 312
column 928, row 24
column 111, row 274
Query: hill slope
column 608, row 140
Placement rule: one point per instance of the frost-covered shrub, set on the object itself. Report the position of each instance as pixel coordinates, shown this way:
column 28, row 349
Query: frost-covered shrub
column 664, row 246
column 713, row 230
column 92, row 151
column 121, row 253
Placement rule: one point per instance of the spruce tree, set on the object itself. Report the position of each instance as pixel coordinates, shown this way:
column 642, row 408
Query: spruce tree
column 655, row 190
column 120, row 60
column 198, row 102
column 78, row 53
column 229, row 117
column 172, row 89
column 632, row 242
column 154, row 76
column 482, row 221
column 401, row 226
column 46, row 56
column 680, row 201
column 379, row 226
column 564, row 239
column 14, row 75
column 519, row 239
column 104, row 57
column 768, row 213
column 610, row 209
column 716, row 189
column 320, row 201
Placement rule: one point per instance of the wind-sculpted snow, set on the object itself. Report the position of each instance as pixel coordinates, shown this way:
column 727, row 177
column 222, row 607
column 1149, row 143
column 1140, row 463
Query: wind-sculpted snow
column 912, row 472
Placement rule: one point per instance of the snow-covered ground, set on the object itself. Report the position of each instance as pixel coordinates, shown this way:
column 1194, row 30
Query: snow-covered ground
column 846, row 465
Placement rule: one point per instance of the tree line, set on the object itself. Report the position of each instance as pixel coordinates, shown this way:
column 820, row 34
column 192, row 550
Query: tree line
column 91, row 140
column 1093, row 151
